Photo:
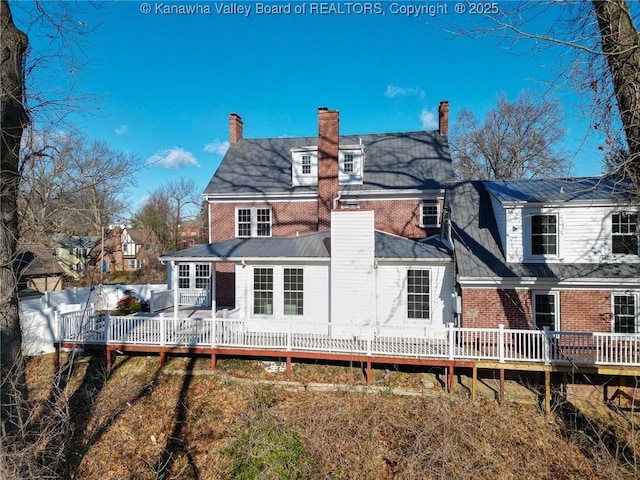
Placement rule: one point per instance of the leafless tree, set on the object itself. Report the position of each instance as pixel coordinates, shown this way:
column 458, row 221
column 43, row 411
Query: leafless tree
column 70, row 185
column 167, row 208
column 596, row 46
column 515, row 140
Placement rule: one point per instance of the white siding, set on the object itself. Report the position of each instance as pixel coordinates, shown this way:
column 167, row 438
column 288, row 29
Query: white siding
column 391, row 299
column 584, row 235
column 316, row 298
column 352, row 280
column 514, row 249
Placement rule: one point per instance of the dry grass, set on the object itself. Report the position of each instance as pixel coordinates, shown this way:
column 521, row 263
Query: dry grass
column 140, row 423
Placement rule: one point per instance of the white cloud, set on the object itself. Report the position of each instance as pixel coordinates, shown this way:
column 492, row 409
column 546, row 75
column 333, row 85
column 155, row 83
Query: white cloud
column 428, row 119
column 395, row 91
column 217, row 146
column 122, row 129
column 174, row 158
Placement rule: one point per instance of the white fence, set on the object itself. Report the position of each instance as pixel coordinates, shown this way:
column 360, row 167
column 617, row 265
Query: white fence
column 502, row 345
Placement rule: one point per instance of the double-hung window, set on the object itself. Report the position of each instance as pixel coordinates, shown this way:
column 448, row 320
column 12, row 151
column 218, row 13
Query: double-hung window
column 429, row 215
column 184, row 275
column 202, row 277
column 348, row 163
column 253, row 222
column 306, row 164
column 418, row 295
column 545, row 310
column 263, row 291
column 293, row 291
column 544, row 234
column 624, row 233
column 625, row 317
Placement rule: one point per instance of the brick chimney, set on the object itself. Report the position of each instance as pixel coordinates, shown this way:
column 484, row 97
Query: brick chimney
column 443, row 117
column 328, row 148
column 235, row 128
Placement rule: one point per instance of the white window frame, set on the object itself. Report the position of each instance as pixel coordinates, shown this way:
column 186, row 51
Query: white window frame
column 184, row 274
column 194, row 275
column 429, row 295
column 299, row 308
column 556, row 312
column 135, row 264
column 348, row 163
column 254, row 224
column 305, row 160
column 253, row 291
column 437, row 214
column 636, row 316
column 618, row 234
column 557, row 235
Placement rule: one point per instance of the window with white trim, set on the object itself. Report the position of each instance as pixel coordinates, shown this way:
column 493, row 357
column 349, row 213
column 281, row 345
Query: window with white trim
column 624, row 233
column 545, row 310
column 306, row 164
column 430, row 215
column 183, row 275
column 135, row 264
column 293, row 291
column 544, row 234
column 263, row 291
column 418, row 294
column 347, row 163
column 203, row 275
column 625, row 313
column 253, row 222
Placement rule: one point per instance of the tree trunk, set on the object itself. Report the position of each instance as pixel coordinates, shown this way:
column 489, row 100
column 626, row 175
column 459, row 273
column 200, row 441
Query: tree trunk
column 621, row 45
column 13, row 120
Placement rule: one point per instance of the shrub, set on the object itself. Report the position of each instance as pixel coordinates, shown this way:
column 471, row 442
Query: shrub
column 128, row 305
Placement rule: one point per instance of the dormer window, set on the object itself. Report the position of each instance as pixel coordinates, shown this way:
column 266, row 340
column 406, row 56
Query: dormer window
column 351, row 163
column 348, row 163
column 624, row 233
column 306, row 164
column 544, row 235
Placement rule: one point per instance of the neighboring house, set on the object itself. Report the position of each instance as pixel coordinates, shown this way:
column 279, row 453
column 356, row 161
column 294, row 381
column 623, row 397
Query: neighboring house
column 283, row 187
column 72, row 253
column 189, row 234
column 125, row 249
column 561, row 254
column 37, row 269
column 348, row 278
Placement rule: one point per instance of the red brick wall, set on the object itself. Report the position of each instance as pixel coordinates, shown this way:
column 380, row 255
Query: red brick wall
column 328, row 151
column 287, row 218
column 400, row 217
column 580, row 310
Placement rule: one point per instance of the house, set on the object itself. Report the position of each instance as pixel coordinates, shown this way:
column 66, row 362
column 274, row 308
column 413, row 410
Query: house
column 72, row 252
column 283, row 187
column 38, row 269
column 189, row 234
column 350, row 278
column 559, row 253
column 125, row 248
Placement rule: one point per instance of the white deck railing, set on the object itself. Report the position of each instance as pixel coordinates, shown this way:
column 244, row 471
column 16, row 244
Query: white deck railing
column 159, row 301
column 197, row 297
column 500, row 344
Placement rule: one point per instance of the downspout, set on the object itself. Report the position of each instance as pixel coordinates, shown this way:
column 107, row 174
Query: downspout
column 336, row 200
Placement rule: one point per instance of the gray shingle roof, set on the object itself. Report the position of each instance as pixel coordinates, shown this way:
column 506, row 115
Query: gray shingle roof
column 314, row 245
column 478, row 253
column 33, row 259
column 554, row 190
column 410, row 160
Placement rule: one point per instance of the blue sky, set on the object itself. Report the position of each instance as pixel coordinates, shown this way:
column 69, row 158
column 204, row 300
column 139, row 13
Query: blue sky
column 165, row 84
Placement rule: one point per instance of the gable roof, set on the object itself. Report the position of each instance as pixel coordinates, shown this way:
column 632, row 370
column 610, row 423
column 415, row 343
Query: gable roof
column 478, row 253
column 310, row 246
column 77, row 241
column 393, row 161
column 35, row 260
column 559, row 190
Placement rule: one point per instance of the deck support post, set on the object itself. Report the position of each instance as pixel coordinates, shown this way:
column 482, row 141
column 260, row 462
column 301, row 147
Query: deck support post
column 547, row 392
column 163, row 358
column 108, row 352
column 214, row 360
column 450, row 378
column 287, row 369
column 501, row 393
column 565, row 383
column 369, row 372
column 474, row 383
